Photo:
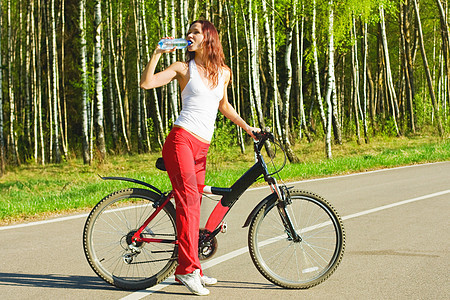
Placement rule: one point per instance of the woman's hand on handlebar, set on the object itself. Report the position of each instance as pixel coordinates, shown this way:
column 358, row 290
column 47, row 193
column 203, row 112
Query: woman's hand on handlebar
column 251, row 131
column 264, row 134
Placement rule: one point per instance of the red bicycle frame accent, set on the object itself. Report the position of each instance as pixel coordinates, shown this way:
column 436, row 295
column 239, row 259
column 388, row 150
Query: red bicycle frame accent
column 137, row 236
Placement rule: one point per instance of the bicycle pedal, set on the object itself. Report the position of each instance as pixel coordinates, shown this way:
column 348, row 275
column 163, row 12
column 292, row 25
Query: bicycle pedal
column 223, row 227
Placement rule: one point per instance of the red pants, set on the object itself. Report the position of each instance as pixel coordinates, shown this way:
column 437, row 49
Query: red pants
column 185, row 160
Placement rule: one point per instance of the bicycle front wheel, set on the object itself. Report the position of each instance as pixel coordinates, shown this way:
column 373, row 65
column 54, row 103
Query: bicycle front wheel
column 297, row 264
column 107, row 240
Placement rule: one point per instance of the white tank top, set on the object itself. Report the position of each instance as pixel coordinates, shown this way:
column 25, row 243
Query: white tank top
column 200, row 104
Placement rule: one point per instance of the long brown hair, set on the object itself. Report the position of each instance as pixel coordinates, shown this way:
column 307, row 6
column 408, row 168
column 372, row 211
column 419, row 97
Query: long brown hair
column 214, row 57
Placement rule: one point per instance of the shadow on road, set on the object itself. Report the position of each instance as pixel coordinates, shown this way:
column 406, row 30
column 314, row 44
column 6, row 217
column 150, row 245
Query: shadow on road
column 223, row 284
column 57, row 281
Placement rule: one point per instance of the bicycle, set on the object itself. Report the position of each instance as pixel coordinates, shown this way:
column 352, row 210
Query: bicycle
column 296, row 238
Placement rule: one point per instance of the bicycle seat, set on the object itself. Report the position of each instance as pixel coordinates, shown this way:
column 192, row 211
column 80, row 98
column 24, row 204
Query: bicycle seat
column 160, row 164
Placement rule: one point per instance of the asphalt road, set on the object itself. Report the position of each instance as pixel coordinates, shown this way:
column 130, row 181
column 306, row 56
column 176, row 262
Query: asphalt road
column 397, row 246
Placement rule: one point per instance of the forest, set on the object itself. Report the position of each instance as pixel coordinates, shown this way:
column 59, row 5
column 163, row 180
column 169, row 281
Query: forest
column 334, row 70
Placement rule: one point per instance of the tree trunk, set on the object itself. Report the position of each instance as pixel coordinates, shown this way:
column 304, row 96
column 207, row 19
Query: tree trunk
column 389, row 82
column 142, row 23
column 331, row 79
column 123, row 58
column 28, row 96
column 12, row 134
column 99, row 128
column 405, row 32
column 160, row 135
column 364, row 108
column 55, row 82
column 39, row 80
column 173, row 87
column 272, row 62
column 233, row 86
column 355, row 84
column 299, row 86
column 2, row 145
column 427, row 71
column 254, row 63
column 139, row 102
column 85, row 87
column 116, row 81
column 34, row 82
column 65, row 139
column 316, row 69
column 445, row 46
column 111, row 94
column 287, row 94
column 251, row 96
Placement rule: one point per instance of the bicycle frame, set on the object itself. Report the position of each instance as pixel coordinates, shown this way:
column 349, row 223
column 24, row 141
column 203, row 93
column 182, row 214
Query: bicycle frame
column 229, row 198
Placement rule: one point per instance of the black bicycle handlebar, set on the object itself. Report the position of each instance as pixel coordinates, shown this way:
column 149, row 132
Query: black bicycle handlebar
column 262, row 136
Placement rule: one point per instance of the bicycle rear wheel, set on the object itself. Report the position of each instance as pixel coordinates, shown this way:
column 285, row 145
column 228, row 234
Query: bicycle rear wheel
column 303, row 264
column 107, row 240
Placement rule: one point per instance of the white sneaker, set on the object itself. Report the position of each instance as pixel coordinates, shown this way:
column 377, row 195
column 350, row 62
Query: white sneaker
column 193, row 282
column 208, row 280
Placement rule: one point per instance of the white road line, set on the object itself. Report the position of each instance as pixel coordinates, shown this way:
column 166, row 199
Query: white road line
column 62, row 219
column 143, row 293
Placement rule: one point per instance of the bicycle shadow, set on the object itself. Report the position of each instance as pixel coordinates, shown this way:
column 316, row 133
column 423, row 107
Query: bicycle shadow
column 222, row 284
column 57, row 281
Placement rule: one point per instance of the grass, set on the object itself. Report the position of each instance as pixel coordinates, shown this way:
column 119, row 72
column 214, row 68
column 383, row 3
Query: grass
column 33, row 192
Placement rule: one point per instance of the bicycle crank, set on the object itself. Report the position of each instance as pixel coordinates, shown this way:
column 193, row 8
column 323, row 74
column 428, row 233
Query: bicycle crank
column 207, row 246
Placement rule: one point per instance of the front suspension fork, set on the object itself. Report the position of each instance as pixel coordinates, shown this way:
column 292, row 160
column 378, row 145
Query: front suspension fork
column 283, row 200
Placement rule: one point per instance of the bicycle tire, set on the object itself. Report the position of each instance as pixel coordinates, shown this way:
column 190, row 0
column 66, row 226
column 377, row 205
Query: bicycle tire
column 114, row 220
column 297, row 265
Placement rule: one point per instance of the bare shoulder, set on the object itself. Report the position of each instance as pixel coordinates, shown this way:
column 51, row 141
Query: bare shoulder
column 181, row 68
column 226, row 71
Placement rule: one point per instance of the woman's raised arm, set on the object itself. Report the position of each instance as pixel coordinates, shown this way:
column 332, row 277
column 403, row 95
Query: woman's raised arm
column 150, row 80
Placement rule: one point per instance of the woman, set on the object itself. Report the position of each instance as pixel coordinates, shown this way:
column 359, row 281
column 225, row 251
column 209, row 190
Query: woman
column 203, row 80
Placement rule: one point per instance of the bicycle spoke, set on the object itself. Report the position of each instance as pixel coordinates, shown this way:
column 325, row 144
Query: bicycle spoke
column 301, row 263
column 108, row 246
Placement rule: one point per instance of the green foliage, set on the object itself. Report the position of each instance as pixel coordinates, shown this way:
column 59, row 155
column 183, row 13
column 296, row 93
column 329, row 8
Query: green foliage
column 224, row 135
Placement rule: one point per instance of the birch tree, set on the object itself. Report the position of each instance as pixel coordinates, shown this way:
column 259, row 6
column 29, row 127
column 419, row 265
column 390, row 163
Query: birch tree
column 115, row 60
column 55, row 81
column 355, row 76
column 39, row 78
column 331, row 78
column 269, row 29
column 12, row 116
column 299, row 32
column 34, row 81
column 253, row 61
column 443, row 15
column 234, row 93
column 427, row 70
column 173, row 88
column 287, row 89
column 389, row 81
column 139, row 102
column 316, row 68
column 63, row 113
column 251, row 95
column 405, row 29
column 2, row 145
column 84, row 82
column 364, row 106
column 99, row 128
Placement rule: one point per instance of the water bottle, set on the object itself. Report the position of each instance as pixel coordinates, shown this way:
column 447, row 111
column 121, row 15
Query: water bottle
column 165, row 44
